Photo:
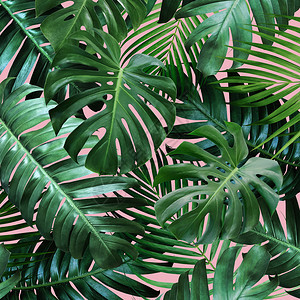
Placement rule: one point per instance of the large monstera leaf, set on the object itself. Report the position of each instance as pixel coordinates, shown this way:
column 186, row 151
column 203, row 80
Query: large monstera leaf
column 125, row 92
column 223, row 287
column 35, row 168
column 62, row 23
column 227, row 190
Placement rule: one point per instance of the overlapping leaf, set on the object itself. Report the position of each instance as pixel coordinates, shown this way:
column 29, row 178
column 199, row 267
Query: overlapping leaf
column 61, row 24
column 274, row 79
column 233, row 15
column 35, row 167
column 223, row 287
column 55, row 271
column 23, row 36
column 129, row 88
column 284, row 247
column 171, row 36
column 225, row 193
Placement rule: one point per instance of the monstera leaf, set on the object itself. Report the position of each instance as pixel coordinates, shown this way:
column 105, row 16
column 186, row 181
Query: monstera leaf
column 62, row 23
column 227, row 190
column 233, row 15
column 125, row 92
column 223, row 287
column 35, row 168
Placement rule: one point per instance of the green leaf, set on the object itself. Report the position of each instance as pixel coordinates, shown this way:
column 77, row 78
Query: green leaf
column 35, row 167
column 225, row 193
column 61, row 24
column 251, row 270
column 129, row 88
column 11, row 282
column 57, row 272
column 234, row 15
column 284, row 247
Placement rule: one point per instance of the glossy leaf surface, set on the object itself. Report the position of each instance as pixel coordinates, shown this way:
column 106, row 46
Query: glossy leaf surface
column 125, row 93
column 225, row 193
column 42, row 171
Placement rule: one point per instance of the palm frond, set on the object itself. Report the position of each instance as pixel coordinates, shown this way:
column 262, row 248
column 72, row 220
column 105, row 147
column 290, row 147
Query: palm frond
column 57, row 271
column 275, row 79
column 43, row 173
column 284, row 246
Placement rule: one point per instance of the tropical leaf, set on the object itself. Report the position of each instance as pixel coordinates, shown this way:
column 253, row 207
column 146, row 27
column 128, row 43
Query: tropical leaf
column 11, row 282
column 284, row 247
column 223, row 287
column 171, row 37
column 43, row 172
column 61, row 24
column 225, row 193
column 277, row 78
column 45, row 273
column 124, row 92
column 169, row 8
column 201, row 104
column 23, row 37
column 233, row 15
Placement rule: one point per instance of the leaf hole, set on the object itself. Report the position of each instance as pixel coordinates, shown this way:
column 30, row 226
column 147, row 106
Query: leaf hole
column 225, row 190
column 220, row 169
column 226, row 200
column 110, row 73
column 70, row 17
column 127, row 86
column 110, row 82
column 228, row 164
column 232, row 181
column 83, row 28
column 108, row 97
column 213, row 178
column 239, row 177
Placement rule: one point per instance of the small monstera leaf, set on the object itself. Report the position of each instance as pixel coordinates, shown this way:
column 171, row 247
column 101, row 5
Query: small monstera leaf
column 226, row 192
column 257, row 258
column 126, row 93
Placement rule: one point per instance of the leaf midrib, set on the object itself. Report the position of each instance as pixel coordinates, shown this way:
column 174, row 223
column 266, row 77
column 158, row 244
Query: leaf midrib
column 56, row 186
column 26, row 32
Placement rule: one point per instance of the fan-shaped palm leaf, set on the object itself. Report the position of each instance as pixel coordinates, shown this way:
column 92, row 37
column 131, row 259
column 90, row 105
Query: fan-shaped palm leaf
column 42, row 172
column 61, row 24
column 225, row 193
column 129, row 89
column 284, row 247
column 257, row 258
column 56, row 272
column 274, row 79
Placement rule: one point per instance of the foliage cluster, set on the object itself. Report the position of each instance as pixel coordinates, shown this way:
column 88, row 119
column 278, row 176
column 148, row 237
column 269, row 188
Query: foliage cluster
column 96, row 199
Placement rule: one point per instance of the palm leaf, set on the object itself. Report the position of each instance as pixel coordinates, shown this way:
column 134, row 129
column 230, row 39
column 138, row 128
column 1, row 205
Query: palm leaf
column 171, row 37
column 232, row 15
column 201, row 104
column 23, row 37
column 128, row 88
column 225, row 193
column 278, row 76
column 43, row 172
column 57, row 272
column 61, row 24
column 284, row 247
column 257, row 258
column 11, row 282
